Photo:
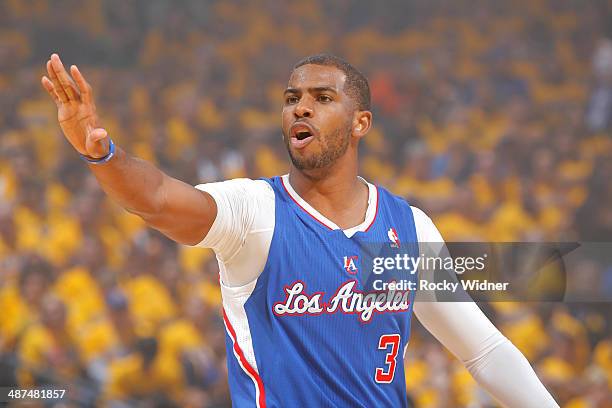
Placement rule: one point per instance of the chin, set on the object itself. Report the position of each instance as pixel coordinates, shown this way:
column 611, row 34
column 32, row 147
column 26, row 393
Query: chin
column 313, row 166
column 303, row 164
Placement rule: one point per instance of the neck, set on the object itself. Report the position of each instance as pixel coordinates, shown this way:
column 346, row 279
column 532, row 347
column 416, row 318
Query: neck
column 336, row 192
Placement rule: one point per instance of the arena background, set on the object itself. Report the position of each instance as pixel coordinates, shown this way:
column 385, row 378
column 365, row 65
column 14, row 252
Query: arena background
column 493, row 116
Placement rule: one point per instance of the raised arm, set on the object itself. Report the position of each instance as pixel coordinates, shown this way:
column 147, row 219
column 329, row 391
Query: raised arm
column 177, row 209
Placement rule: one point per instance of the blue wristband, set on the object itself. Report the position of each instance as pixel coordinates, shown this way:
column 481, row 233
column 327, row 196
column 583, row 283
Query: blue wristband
column 111, row 153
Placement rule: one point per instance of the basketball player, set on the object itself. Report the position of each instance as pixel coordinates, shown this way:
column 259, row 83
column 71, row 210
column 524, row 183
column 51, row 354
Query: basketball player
column 300, row 332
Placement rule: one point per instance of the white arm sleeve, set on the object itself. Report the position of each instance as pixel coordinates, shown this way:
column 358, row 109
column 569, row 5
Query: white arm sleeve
column 242, row 231
column 496, row 364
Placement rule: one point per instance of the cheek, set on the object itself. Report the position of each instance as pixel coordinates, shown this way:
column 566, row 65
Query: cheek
column 336, row 124
column 287, row 115
column 338, row 117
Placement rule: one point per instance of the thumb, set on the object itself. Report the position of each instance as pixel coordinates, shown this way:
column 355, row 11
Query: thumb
column 97, row 144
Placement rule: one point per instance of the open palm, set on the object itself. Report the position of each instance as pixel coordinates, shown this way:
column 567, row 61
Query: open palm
column 76, row 110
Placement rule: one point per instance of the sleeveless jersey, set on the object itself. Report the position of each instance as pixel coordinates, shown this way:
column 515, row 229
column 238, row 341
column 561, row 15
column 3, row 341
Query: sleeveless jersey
column 311, row 331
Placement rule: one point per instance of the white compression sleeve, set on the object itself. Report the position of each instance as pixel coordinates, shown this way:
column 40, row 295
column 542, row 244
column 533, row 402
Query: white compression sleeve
column 494, row 362
column 243, row 228
column 506, row 374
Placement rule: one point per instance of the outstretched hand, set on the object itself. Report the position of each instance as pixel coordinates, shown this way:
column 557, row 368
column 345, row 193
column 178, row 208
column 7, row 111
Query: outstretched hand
column 76, row 111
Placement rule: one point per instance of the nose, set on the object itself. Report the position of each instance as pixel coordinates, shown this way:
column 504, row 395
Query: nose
column 304, row 109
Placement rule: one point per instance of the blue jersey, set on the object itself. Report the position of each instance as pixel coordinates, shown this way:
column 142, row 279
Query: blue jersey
column 310, row 332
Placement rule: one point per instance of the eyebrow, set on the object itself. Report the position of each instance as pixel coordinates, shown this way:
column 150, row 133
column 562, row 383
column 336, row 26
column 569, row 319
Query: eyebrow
column 314, row 89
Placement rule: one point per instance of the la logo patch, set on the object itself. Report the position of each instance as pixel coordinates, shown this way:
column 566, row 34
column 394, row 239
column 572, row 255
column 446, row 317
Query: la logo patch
column 393, row 237
column 349, row 264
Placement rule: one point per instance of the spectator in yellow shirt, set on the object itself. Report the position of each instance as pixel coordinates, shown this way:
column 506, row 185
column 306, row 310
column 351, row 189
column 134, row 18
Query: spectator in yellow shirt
column 47, row 353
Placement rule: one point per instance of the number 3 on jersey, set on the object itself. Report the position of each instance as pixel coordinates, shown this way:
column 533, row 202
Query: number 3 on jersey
column 386, row 340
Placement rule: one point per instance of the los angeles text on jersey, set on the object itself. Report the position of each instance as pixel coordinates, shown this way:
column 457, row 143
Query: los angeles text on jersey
column 347, row 299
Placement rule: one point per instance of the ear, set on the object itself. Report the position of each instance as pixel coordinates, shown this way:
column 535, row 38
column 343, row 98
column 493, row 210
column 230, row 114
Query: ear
column 362, row 122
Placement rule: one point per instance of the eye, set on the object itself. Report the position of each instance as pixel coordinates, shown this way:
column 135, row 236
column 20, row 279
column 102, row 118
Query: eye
column 292, row 99
column 324, row 98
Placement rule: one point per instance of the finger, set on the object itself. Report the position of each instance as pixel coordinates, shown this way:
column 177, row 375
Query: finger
column 84, row 87
column 96, row 143
column 64, row 78
column 98, row 134
column 48, row 85
column 56, row 84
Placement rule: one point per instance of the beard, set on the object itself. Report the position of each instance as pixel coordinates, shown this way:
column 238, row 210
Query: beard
column 332, row 148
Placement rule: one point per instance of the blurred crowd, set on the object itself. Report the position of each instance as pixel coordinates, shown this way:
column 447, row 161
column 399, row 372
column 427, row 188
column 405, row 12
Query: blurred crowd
column 494, row 117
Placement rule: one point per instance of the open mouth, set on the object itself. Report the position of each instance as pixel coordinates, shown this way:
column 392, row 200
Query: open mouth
column 301, row 135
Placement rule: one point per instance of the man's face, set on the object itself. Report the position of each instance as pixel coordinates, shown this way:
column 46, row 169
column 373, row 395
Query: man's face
column 53, row 313
column 317, row 116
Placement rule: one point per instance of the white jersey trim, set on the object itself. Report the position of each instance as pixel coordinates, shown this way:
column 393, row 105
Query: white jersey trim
column 237, row 327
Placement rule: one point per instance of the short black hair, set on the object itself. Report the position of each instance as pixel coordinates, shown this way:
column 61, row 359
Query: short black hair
column 356, row 85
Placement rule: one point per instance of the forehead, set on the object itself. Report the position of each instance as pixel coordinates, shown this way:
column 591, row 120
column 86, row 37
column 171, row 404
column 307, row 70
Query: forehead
column 314, row 76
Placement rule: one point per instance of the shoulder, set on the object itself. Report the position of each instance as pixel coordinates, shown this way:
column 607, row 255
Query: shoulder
column 238, row 186
column 243, row 206
column 240, row 195
column 420, row 218
column 398, row 201
column 425, row 227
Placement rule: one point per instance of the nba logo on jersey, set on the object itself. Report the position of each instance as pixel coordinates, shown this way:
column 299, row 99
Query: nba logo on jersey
column 392, row 234
column 349, row 264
